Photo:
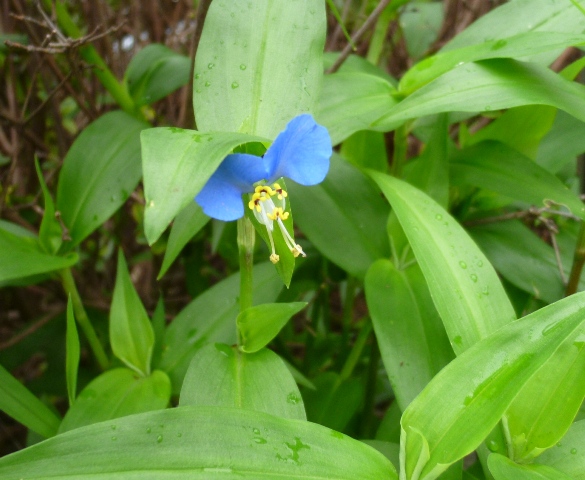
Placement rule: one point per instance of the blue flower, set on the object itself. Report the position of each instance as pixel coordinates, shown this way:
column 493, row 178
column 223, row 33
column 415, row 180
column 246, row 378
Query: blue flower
column 300, row 152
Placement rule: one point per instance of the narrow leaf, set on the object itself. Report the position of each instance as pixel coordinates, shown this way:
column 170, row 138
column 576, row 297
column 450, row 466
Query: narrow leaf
column 567, row 456
column 260, row 324
column 504, row 469
column 473, row 392
column 72, row 354
column 50, row 235
column 99, row 173
column 464, row 286
column 131, row 333
column 19, row 403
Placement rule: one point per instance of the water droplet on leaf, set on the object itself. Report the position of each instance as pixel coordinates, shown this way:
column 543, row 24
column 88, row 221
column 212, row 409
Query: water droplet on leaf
column 235, row 85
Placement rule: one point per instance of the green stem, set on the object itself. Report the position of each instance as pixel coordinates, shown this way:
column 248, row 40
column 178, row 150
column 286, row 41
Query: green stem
column 400, row 148
column 82, row 318
column 356, row 352
column 348, row 302
column 117, row 89
column 578, row 262
column 246, row 238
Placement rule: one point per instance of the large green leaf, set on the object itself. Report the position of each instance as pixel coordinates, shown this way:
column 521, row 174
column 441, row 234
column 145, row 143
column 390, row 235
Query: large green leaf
column 540, row 16
column 99, row 173
column 224, row 376
column 200, row 442
column 211, row 317
column 131, row 333
column 18, row 402
column 562, row 144
column 344, row 217
column 567, row 456
column 260, row 324
column 410, row 334
column 486, row 86
column 154, row 72
column 177, row 163
column 117, row 393
column 499, row 168
column 521, row 45
column 22, row 256
column 259, row 64
column 350, row 102
column 464, row 286
column 473, row 392
column 505, row 469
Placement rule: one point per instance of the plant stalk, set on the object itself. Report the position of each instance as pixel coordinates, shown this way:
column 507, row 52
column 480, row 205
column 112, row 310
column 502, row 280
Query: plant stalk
column 578, row 262
column 70, row 288
column 246, row 238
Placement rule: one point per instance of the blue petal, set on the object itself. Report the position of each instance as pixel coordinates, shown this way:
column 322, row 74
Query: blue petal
column 221, row 197
column 301, row 152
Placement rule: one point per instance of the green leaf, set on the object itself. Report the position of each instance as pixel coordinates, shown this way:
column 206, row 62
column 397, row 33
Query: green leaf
column 562, row 144
column 22, row 256
column 342, row 217
column 72, row 353
column 19, row 403
column 186, row 225
column 504, row 469
column 464, row 286
column 99, row 173
column 335, row 401
column 501, row 169
column 499, row 46
column 410, row 334
column 154, row 72
column 50, row 236
column 522, row 257
column 211, row 317
column 350, row 102
column 567, row 456
column 366, row 149
column 260, row 324
column 473, row 391
column 223, row 376
column 521, row 128
column 541, row 16
column 131, row 334
column 258, row 65
column 177, row 163
column 420, row 23
column 486, row 86
column 115, row 394
column 539, row 417
column 200, row 442
column 158, row 328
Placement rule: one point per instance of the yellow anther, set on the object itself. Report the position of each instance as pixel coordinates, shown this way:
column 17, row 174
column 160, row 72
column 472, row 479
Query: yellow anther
column 297, row 250
column 278, row 190
column 274, row 258
column 264, row 191
column 255, row 202
column 278, row 213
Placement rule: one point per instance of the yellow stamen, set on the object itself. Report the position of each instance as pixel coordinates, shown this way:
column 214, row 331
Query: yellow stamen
column 264, row 191
column 278, row 213
column 255, row 202
column 278, row 190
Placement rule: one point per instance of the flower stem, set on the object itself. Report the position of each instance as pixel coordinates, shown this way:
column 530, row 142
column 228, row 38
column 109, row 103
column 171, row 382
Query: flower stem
column 82, row 318
column 246, row 238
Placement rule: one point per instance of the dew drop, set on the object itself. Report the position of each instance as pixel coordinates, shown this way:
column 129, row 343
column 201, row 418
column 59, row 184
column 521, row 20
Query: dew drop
column 159, row 439
column 438, row 216
column 473, row 277
column 573, row 451
column 480, row 263
column 260, row 440
column 462, row 264
column 148, row 430
column 487, row 108
column 179, row 434
column 210, row 65
column 113, row 427
column 235, row 85
column 207, row 84
column 242, row 67
column 256, row 431
column 493, row 446
column 114, row 439
column 293, row 398
column 197, row 76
